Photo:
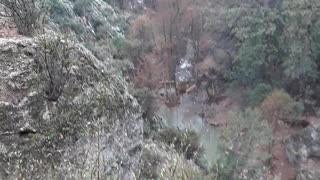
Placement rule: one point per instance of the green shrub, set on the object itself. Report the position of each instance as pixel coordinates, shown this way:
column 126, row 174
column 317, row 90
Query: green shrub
column 99, row 48
column 64, row 18
column 258, row 94
column 151, row 124
column 120, row 44
column 185, row 142
column 96, row 22
column 102, row 31
column 279, row 105
column 147, row 102
column 58, row 10
column 81, row 6
column 59, row 13
column 245, row 136
column 77, row 27
column 226, row 166
column 122, row 23
column 150, row 162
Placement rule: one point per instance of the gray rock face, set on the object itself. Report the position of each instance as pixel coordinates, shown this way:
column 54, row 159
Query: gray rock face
column 303, row 150
column 93, row 129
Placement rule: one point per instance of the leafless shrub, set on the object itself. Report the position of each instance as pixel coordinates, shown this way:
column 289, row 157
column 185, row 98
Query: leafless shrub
column 25, row 14
column 55, row 56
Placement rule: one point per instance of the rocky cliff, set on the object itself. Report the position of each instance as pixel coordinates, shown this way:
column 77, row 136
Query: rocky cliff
column 63, row 115
column 92, row 128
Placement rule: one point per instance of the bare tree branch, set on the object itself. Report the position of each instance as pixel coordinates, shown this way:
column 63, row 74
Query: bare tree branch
column 25, row 14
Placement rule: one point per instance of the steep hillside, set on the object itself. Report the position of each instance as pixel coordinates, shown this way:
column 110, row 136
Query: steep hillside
column 65, row 108
column 159, row 89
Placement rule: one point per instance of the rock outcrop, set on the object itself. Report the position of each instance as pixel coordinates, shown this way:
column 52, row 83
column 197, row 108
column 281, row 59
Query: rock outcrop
column 92, row 128
column 303, row 150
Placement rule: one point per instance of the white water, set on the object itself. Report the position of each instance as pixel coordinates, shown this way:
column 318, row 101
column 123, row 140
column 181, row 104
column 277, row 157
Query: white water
column 185, row 67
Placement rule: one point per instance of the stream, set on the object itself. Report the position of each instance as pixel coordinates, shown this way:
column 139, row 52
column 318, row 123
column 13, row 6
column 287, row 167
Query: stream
column 187, row 116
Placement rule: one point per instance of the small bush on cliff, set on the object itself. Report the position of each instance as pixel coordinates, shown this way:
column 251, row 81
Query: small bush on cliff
column 186, row 142
column 147, row 101
column 53, row 62
column 279, row 105
column 59, row 13
column 150, row 162
column 25, row 13
column 81, row 6
column 149, row 108
column 119, row 44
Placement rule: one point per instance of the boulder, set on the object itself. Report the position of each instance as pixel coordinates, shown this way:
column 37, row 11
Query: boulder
column 303, row 150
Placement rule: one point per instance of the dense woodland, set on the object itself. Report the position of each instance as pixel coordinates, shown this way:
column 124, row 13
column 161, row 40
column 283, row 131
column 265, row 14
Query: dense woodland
column 264, row 52
column 273, row 45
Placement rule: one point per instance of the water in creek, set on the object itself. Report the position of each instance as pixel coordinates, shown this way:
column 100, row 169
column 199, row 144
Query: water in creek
column 187, row 115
